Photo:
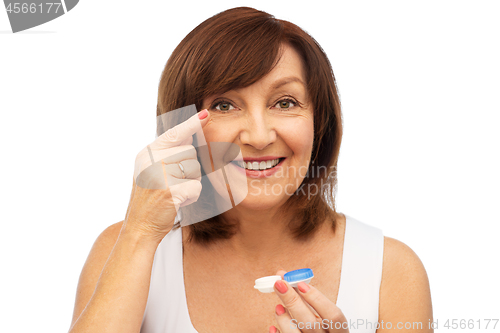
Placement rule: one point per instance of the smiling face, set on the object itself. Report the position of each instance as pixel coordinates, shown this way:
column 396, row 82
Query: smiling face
column 272, row 122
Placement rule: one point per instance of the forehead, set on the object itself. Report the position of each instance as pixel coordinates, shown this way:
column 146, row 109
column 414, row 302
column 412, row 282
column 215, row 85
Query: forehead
column 289, row 71
column 290, row 61
column 289, row 65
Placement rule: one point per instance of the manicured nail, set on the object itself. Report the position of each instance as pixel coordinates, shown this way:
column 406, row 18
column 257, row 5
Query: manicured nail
column 303, row 287
column 279, row 309
column 203, row 114
column 272, row 329
column 281, row 286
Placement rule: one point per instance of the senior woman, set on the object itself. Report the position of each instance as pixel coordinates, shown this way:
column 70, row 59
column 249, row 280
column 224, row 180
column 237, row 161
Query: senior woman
column 266, row 86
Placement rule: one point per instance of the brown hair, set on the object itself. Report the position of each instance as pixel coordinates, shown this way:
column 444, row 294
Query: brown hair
column 234, row 49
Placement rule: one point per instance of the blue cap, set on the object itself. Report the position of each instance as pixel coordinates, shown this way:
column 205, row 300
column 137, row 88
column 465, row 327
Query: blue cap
column 298, row 275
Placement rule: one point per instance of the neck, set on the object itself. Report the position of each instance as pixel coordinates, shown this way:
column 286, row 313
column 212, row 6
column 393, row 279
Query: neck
column 263, row 236
column 263, row 244
column 260, row 234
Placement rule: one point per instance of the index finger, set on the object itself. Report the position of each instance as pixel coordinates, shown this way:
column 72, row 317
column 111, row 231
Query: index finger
column 320, row 303
column 295, row 305
column 184, row 131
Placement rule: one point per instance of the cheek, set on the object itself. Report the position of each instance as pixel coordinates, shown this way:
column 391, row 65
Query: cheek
column 215, row 132
column 298, row 135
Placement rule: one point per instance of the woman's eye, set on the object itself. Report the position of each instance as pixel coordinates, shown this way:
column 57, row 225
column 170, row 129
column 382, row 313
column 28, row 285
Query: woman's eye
column 223, row 106
column 286, row 104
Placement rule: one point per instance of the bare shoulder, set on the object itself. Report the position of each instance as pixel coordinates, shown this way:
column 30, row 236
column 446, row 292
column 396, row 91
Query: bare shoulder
column 404, row 291
column 399, row 259
column 93, row 266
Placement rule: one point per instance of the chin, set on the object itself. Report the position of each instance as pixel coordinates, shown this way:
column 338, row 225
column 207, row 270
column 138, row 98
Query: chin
column 261, row 202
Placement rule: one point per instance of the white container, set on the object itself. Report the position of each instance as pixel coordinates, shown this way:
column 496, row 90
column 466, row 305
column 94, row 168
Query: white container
column 266, row 284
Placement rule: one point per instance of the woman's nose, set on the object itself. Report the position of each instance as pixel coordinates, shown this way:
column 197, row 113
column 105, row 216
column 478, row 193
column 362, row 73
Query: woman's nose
column 258, row 130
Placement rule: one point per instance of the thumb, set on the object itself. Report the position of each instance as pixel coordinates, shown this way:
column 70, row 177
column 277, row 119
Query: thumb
column 282, row 273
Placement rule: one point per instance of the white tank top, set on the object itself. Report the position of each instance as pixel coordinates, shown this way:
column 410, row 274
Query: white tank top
column 358, row 298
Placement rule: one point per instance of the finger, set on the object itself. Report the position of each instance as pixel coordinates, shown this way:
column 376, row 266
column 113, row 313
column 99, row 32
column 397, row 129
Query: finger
column 185, row 193
column 322, row 305
column 297, row 308
column 188, row 141
column 285, row 322
column 175, row 154
column 281, row 273
column 192, row 169
column 147, row 157
column 182, row 132
column 288, row 324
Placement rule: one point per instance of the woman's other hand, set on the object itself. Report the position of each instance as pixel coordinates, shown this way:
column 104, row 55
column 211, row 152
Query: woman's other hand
column 306, row 310
column 159, row 188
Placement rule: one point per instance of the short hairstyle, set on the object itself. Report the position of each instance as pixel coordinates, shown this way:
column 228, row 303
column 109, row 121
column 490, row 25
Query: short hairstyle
column 234, row 49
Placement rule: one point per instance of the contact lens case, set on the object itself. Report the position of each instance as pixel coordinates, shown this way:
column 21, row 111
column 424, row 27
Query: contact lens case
column 299, row 275
column 266, row 284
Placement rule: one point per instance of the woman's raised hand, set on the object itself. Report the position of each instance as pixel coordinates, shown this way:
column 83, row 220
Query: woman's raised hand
column 167, row 175
column 306, row 310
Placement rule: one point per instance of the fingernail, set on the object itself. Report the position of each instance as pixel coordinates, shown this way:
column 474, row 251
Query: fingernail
column 272, row 329
column 279, row 309
column 203, row 114
column 303, row 287
column 281, row 286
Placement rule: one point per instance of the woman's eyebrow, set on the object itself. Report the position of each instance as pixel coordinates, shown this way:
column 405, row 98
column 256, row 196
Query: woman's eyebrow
column 277, row 84
column 286, row 80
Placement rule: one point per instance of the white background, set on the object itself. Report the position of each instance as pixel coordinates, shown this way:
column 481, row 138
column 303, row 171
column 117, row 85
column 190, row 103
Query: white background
column 419, row 86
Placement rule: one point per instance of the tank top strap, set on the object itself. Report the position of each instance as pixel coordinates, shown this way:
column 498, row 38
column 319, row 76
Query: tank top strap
column 361, row 275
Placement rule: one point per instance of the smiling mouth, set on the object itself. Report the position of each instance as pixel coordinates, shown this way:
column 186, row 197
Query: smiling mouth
column 258, row 165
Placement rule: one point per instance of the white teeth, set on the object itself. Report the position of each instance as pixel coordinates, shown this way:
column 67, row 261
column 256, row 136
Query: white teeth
column 263, row 165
